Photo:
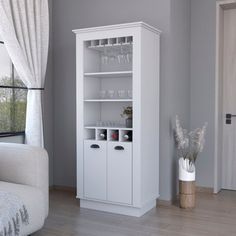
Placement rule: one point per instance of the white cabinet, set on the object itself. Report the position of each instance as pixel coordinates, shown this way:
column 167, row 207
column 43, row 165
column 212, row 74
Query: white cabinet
column 108, row 171
column 119, row 172
column 117, row 67
column 95, row 165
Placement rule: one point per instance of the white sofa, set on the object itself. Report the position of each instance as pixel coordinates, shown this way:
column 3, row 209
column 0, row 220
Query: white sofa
column 24, row 171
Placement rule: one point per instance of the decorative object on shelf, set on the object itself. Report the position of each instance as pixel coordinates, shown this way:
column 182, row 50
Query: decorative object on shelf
column 128, row 136
column 115, row 135
column 128, row 112
column 189, row 145
column 103, row 135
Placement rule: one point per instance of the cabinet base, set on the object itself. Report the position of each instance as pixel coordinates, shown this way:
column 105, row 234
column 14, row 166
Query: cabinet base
column 117, row 209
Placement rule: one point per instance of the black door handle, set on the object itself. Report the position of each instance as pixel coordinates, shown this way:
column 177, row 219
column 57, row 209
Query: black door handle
column 95, row 146
column 119, row 148
column 228, row 118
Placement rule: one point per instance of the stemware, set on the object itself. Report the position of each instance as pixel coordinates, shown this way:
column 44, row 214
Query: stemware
column 129, row 92
column 99, row 123
column 129, row 39
column 111, row 94
column 121, row 93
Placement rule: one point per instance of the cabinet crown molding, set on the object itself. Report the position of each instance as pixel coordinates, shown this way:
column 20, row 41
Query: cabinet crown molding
column 118, row 26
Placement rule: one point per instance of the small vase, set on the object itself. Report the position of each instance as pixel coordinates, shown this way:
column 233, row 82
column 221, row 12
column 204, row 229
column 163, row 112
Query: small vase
column 129, row 122
column 187, row 176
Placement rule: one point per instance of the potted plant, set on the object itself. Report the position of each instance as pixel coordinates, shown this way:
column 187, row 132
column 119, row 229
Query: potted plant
column 189, row 145
column 128, row 112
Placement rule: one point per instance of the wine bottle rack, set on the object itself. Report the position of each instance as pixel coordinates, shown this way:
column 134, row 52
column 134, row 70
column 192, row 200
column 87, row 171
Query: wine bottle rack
column 111, row 134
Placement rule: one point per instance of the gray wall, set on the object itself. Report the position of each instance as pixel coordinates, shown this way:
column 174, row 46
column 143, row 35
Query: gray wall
column 203, row 25
column 48, row 104
column 178, row 81
column 167, row 15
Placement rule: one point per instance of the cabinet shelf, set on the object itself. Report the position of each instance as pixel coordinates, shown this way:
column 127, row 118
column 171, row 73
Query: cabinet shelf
column 108, row 128
column 108, row 100
column 112, row 74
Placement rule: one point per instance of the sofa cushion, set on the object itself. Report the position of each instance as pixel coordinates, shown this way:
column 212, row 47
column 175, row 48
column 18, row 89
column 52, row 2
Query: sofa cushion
column 34, row 201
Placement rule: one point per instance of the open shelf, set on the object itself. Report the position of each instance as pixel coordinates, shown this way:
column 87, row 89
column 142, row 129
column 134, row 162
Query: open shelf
column 112, row 74
column 110, row 134
column 108, row 100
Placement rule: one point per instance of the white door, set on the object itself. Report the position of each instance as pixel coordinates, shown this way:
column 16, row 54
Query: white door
column 95, row 169
column 119, row 172
column 229, row 101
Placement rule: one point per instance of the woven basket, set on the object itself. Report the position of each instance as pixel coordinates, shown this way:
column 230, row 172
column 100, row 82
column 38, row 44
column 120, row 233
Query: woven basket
column 187, row 195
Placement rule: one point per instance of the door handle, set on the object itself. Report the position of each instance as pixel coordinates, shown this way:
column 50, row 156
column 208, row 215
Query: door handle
column 95, row 146
column 119, row 148
column 228, row 118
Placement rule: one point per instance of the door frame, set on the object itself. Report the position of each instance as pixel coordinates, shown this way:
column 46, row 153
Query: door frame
column 221, row 6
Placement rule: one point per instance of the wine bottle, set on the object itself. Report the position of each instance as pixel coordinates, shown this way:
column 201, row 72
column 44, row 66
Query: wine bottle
column 103, row 135
column 128, row 136
column 115, row 135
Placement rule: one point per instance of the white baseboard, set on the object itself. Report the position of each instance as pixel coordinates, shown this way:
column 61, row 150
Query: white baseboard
column 117, row 209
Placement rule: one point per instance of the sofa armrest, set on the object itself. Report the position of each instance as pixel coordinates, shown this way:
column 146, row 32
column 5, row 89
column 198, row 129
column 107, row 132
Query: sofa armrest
column 24, row 164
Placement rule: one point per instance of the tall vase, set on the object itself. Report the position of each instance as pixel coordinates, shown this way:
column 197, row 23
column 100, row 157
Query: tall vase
column 187, row 189
column 129, row 122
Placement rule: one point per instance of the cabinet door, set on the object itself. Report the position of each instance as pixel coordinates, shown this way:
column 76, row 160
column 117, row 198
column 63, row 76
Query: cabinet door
column 95, row 169
column 119, row 172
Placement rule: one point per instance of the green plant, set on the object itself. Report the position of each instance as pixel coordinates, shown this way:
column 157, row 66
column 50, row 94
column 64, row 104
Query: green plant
column 127, row 112
column 12, row 105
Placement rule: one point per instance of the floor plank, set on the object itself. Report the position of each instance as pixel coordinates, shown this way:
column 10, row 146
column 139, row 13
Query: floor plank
column 215, row 215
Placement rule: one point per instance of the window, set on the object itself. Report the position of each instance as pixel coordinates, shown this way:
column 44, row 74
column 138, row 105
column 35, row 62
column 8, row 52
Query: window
column 13, row 96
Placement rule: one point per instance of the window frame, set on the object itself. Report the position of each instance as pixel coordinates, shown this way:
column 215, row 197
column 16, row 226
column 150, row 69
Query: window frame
column 12, row 133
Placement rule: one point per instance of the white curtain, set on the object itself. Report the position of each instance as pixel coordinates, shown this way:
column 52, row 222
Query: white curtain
column 24, row 28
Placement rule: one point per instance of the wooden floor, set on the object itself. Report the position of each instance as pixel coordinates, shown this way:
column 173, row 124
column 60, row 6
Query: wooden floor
column 215, row 215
